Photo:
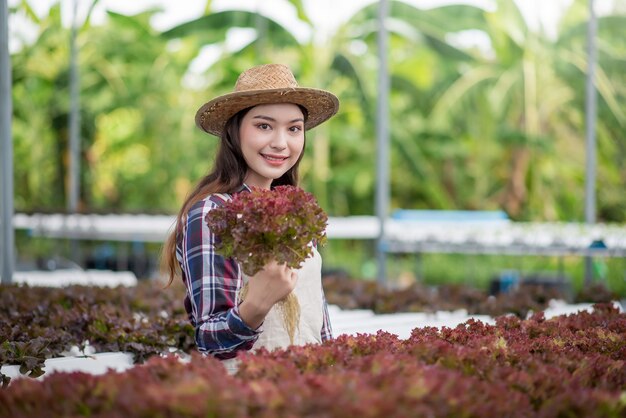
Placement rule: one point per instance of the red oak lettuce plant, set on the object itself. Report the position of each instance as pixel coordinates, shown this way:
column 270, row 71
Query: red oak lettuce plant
column 262, row 225
column 567, row 366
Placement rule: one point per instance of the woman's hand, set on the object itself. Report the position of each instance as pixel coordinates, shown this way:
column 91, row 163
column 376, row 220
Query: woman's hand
column 273, row 283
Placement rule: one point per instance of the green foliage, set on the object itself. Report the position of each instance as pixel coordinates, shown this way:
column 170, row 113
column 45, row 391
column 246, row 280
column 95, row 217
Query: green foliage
column 471, row 127
column 212, row 28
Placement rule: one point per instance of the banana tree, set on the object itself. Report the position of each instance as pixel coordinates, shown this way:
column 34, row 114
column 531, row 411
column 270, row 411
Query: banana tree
column 123, row 114
column 40, row 102
column 530, row 84
column 421, row 61
column 460, row 112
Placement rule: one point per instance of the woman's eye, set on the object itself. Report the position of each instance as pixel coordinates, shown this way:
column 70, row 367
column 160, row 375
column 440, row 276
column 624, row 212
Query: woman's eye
column 295, row 128
column 263, row 126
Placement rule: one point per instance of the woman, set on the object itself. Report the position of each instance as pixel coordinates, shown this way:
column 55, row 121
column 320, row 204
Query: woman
column 261, row 126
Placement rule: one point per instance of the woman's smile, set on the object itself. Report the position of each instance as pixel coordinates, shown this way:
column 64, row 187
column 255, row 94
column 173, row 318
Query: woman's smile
column 275, row 160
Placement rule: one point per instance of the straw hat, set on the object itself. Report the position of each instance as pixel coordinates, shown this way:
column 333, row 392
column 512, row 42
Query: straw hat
column 264, row 84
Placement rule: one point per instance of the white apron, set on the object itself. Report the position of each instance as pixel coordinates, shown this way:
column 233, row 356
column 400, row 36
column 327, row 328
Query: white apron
column 309, row 293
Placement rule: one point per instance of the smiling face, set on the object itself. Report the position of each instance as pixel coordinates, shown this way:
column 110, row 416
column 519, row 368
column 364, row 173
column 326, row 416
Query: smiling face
column 272, row 139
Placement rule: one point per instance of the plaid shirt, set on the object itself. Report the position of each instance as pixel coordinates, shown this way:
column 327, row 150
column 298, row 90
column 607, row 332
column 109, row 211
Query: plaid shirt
column 212, row 283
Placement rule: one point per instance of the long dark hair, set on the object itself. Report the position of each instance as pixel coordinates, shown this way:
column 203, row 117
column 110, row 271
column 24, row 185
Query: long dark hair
column 227, row 176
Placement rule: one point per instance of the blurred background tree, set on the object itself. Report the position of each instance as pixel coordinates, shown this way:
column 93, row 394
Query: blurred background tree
column 473, row 127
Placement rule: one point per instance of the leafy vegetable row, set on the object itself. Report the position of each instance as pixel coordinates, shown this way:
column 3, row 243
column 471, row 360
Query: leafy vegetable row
column 40, row 323
column 565, row 366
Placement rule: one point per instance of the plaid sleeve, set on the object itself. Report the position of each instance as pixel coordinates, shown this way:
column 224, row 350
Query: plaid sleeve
column 212, row 283
column 327, row 330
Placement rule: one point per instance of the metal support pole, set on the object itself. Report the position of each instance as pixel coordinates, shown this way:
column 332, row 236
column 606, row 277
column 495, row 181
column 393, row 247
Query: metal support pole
column 74, row 121
column 73, row 186
column 590, row 128
column 382, row 131
column 260, row 24
column 6, row 172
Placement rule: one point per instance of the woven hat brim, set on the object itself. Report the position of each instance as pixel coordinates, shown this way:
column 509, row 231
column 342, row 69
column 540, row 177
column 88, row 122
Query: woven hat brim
column 321, row 105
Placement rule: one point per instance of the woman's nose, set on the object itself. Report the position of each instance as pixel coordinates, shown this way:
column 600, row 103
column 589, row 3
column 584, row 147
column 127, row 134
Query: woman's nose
column 279, row 141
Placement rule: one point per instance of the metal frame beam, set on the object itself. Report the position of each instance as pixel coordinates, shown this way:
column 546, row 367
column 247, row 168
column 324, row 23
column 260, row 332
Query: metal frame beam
column 7, row 256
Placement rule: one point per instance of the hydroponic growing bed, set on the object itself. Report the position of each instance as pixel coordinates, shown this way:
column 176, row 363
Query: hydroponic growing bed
column 438, row 363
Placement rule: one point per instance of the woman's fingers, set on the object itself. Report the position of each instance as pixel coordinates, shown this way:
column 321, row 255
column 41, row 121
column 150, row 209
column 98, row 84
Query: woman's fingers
column 282, row 268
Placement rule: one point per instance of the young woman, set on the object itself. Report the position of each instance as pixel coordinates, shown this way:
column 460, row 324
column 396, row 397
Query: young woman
column 261, row 127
